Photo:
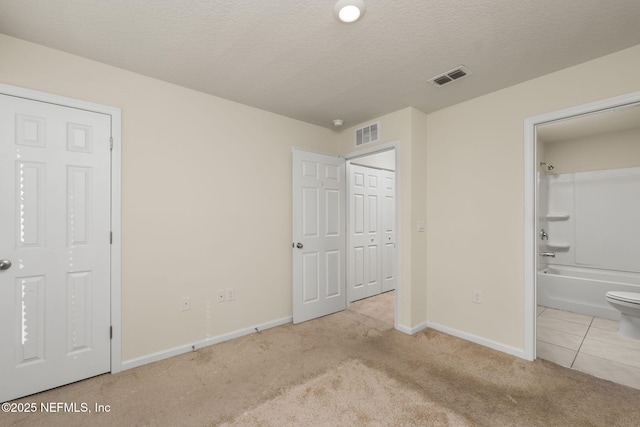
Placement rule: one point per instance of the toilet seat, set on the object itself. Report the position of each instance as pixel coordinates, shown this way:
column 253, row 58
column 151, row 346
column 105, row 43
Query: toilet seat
column 628, row 297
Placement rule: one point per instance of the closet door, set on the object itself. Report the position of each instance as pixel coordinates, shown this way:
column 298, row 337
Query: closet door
column 365, row 251
column 388, row 215
column 55, row 228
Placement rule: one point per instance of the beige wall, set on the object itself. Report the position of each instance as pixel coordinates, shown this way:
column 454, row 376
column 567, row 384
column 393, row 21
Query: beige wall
column 419, row 180
column 475, row 195
column 407, row 127
column 198, row 170
column 612, row 150
column 206, row 197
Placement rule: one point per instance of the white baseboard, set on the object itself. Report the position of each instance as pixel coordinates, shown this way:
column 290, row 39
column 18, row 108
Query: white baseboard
column 165, row 354
column 478, row 340
column 404, row 329
column 410, row 331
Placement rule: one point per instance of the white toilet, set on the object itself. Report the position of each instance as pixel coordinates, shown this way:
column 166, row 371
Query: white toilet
column 628, row 304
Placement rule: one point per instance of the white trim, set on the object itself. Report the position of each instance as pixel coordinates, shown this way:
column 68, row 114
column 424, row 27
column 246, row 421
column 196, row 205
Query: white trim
column 478, row 340
column 530, row 236
column 393, row 145
column 530, row 203
column 412, row 331
column 116, row 244
column 116, row 220
column 165, row 354
column 463, row 335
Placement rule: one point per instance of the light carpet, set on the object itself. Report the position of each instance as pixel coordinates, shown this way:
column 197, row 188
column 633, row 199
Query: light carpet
column 319, row 372
column 354, row 394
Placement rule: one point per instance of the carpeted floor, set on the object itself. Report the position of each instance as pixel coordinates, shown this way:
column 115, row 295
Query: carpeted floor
column 355, row 395
column 350, row 368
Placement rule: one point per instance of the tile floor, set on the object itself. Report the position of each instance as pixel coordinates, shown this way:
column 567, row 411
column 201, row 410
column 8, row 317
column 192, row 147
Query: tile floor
column 588, row 344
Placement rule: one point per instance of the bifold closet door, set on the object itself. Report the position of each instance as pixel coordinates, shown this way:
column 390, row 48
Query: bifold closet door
column 388, row 214
column 372, row 232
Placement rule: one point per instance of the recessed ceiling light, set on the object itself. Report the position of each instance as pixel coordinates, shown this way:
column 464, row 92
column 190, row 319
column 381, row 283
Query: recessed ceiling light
column 349, row 10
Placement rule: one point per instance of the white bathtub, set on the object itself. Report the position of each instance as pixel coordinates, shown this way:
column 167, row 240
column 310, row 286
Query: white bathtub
column 582, row 290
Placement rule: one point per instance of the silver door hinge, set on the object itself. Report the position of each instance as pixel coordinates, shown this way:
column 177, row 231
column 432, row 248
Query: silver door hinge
column 110, row 332
column 111, row 237
column 111, row 143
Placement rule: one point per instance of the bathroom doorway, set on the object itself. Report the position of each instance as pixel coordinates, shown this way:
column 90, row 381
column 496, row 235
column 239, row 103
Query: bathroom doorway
column 584, row 166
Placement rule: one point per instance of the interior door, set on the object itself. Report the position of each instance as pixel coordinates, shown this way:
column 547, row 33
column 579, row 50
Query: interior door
column 318, row 234
column 388, row 214
column 365, row 234
column 54, row 245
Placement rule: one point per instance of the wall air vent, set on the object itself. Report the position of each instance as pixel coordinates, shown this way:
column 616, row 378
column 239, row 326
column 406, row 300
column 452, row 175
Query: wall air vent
column 367, row 134
column 451, row 75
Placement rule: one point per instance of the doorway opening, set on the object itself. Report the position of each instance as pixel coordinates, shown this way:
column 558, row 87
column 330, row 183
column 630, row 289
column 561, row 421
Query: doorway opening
column 372, row 231
column 320, row 228
column 537, row 166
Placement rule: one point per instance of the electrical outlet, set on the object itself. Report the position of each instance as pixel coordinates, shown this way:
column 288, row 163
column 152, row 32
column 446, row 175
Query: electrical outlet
column 186, row 303
column 221, row 296
column 476, row 296
column 231, row 294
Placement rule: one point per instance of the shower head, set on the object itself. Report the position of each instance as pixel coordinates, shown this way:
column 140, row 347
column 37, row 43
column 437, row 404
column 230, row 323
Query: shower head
column 549, row 167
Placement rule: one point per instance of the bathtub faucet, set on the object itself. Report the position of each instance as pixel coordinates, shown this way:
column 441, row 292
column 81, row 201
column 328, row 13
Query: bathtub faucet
column 549, row 254
column 543, row 235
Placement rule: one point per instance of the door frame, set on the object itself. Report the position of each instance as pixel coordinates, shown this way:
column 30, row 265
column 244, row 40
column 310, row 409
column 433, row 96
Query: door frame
column 116, row 201
column 531, row 202
column 394, row 145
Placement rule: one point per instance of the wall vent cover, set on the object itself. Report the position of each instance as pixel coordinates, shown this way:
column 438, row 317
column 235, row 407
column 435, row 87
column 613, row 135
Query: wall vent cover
column 367, row 134
column 451, row 75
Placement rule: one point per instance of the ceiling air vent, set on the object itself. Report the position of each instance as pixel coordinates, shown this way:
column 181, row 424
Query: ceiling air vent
column 451, row 75
column 367, row 134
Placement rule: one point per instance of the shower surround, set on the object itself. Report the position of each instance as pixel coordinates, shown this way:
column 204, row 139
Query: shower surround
column 592, row 220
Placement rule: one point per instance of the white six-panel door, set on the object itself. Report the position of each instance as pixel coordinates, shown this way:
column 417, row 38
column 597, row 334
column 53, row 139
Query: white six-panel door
column 388, row 225
column 54, row 230
column 372, row 237
column 318, row 235
column 365, row 234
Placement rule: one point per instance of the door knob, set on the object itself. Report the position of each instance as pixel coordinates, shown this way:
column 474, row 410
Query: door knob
column 5, row 264
column 299, row 245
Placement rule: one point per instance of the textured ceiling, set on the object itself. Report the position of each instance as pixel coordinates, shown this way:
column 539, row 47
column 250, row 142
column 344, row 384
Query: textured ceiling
column 293, row 58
